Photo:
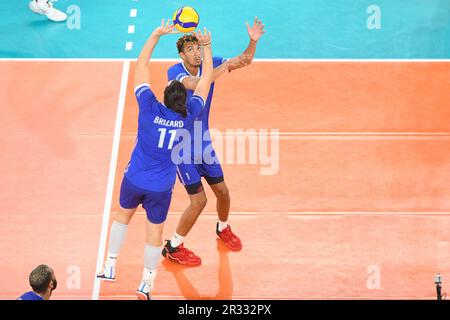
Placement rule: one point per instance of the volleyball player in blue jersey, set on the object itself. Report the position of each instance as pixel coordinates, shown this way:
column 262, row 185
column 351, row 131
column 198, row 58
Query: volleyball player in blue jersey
column 150, row 174
column 43, row 282
column 204, row 164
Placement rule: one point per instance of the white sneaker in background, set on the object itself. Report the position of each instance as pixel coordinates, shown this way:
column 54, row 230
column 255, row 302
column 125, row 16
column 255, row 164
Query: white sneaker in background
column 46, row 8
column 144, row 291
column 108, row 273
column 35, row 8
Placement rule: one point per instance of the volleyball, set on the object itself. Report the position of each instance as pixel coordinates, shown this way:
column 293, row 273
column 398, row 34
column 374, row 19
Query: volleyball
column 185, row 19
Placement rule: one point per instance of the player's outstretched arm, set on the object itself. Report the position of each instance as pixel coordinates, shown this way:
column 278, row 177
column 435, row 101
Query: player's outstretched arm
column 191, row 82
column 255, row 32
column 202, row 88
column 141, row 70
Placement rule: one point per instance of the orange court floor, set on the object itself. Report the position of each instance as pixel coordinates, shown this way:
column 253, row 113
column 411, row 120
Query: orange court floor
column 356, row 204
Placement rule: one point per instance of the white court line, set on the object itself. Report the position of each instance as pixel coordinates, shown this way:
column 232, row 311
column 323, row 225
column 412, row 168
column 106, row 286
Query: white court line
column 406, row 134
column 131, row 30
column 283, row 135
column 349, row 60
column 334, row 133
column 128, row 45
column 133, row 13
column 111, row 177
column 291, row 214
column 299, row 214
column 255, row 60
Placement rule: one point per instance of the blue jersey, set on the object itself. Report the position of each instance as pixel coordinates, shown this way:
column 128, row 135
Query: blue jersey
column 151, row 166
column 30, row 296
column 179, row 72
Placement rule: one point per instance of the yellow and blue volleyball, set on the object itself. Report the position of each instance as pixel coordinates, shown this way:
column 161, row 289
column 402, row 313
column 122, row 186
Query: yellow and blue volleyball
column 185, row 19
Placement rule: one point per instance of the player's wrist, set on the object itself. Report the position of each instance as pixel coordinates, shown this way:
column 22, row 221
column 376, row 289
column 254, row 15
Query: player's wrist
column 156, row 34
column 227, row 65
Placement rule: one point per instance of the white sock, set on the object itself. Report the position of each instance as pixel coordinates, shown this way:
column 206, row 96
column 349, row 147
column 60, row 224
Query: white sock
column 176, row 240
column 222, row 225
column 111, row 260
column 148, row 274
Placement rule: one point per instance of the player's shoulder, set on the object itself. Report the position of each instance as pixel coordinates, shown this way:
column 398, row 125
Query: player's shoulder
column 138, row 89
column 30, row 296
column 177, row 72
column 197, row 99
column 176, row 67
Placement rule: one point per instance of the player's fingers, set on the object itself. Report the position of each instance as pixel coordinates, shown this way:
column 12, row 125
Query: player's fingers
column 255, row 21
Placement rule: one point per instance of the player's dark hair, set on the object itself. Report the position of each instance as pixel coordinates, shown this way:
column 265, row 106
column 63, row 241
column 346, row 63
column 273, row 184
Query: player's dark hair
column 175, row 97
column 185, row 39
column 40, row 278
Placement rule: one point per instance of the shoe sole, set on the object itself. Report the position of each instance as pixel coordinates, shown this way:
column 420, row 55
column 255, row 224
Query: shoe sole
column 168, row 256
column 141, row 296
column 106, row 279
column 38, row 12
column 55, row 20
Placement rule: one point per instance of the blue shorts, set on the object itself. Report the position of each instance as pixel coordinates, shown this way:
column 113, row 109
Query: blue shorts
column 190, row 175
column 156, row 204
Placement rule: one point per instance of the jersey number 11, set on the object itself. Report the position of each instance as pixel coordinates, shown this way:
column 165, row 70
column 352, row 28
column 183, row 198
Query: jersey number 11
column 162, row 135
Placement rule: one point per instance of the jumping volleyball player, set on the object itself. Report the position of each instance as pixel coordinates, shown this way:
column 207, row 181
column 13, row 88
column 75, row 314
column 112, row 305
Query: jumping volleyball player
column 188, row 72
column 150, row 174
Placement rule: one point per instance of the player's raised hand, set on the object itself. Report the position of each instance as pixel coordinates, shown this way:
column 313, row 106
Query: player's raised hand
column 203, row 38
column 256, row 31
column 165, row 28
